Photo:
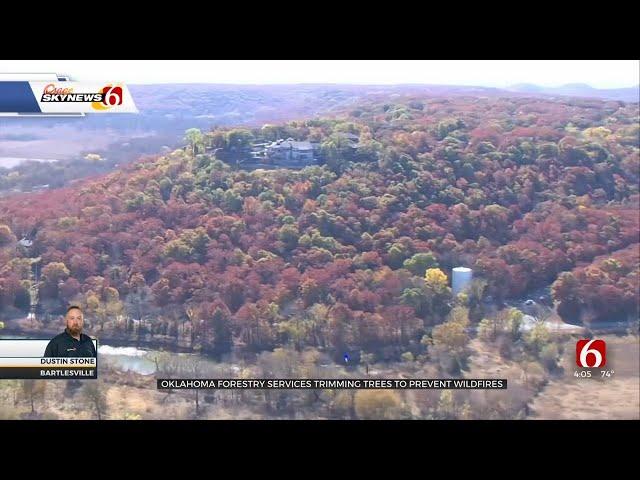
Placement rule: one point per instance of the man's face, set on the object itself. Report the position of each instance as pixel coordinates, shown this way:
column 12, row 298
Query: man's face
column 74, row 321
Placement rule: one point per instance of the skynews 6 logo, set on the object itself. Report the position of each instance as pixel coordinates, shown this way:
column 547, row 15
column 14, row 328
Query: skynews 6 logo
column 107, row 97
column 111, row 96
column 591, row 353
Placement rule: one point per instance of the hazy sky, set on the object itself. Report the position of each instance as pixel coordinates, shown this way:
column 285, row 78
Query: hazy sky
column 495, row 73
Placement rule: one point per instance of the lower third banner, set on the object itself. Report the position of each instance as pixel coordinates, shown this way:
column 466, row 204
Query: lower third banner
column 333, row 384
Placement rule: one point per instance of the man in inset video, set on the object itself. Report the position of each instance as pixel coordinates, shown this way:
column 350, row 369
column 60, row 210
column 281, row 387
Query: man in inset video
column 72, row 342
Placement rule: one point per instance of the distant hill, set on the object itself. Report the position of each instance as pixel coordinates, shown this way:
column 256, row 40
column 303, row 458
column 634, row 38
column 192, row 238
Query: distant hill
column 167, row 110
column 257, row 104
column 345, row 254
column 630, row 94
column 526, row 88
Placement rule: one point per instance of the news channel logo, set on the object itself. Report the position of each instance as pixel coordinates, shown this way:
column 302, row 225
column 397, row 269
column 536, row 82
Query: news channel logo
column 55, row 95
column 105, row 98
column 591, row 353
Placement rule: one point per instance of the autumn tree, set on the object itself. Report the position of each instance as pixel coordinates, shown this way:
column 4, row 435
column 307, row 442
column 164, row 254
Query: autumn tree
column 378, row 405
column 437, row 295
column 220, row 326
column 52, row 275
column 6, row 236
column 450, row 339
column 96, row 398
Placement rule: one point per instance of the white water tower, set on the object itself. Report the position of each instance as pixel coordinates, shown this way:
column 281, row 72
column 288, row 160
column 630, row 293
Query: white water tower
column 461, row 279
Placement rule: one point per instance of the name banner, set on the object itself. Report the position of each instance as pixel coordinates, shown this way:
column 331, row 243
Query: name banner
column 24, row 359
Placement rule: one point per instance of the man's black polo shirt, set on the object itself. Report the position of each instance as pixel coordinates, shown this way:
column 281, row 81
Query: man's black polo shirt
column 64, row 345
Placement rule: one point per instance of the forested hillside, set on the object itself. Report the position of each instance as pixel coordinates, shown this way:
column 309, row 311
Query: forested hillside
column 356, row 252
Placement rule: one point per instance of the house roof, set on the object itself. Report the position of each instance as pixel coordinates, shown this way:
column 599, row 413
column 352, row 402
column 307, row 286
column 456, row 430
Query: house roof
column 291, row 144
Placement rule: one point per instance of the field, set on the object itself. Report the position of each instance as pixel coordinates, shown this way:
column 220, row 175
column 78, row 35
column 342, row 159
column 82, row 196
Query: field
column 532, row 394
column 615, row 398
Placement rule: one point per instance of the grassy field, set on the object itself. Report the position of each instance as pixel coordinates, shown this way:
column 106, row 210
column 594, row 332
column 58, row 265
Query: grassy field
column 616, row 397
column 533, row 393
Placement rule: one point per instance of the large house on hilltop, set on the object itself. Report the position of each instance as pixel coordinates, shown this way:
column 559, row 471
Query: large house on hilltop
column 290, row 150
column 286, row 153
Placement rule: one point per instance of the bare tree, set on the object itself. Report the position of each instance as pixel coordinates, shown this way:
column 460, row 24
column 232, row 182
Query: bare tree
column 367, row 359
column 195, row 368
column 33, row 390
column 96, row 397
column 190, row 367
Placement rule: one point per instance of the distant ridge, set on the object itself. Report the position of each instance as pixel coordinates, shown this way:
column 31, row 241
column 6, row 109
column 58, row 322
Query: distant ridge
column 628, row 94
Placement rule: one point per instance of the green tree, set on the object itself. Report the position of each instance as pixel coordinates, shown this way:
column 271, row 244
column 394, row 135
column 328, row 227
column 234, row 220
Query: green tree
column 337, row 152
column 537, row 338
column 418, row 298
column 396, row 254
column 289, row 235
column 190, row 246
column 232, row 200
column 420, row 262
column 239, row 139
column 514, row 322
column 549, row 355
column 407, row 357
column 195, row 139
column 370, row 151
column 475, row 298
column 165, row 188
column 222, row 333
